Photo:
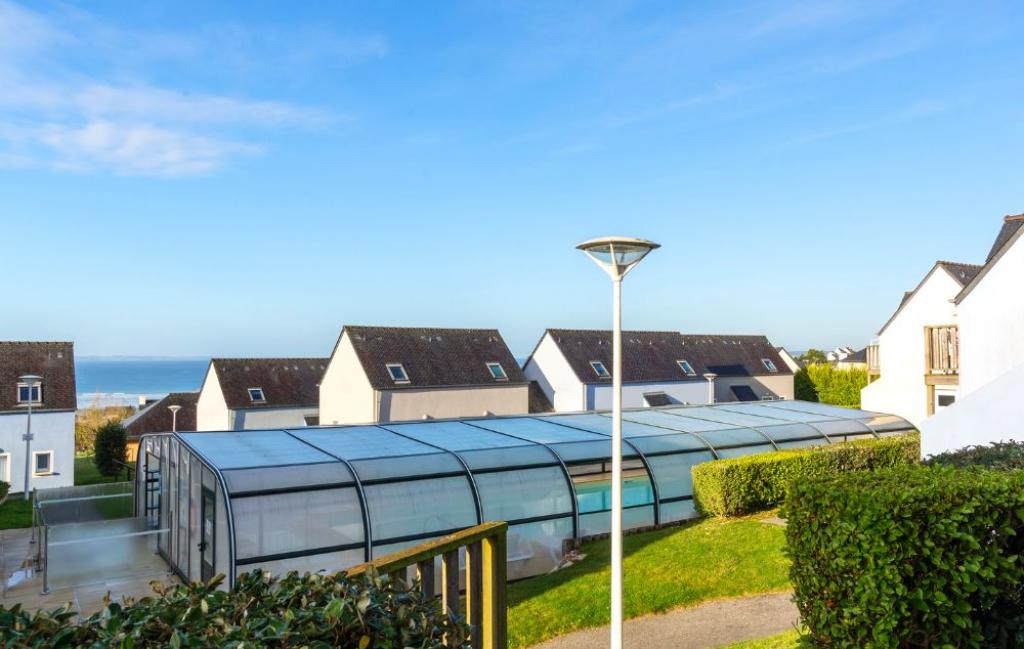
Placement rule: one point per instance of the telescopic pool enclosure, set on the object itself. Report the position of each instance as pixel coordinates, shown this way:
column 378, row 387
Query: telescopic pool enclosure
column 326, row 498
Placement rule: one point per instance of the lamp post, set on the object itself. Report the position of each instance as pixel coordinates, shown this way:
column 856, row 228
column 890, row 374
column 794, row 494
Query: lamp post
column 617, row 256
column 32, row 382
column 174, row 417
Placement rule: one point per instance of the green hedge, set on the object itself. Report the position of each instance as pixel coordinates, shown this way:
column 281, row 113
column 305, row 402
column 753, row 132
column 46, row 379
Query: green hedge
column 998, row 455
column 911, row 557
column 824, row 383
column 747, row 484
column 261, row 611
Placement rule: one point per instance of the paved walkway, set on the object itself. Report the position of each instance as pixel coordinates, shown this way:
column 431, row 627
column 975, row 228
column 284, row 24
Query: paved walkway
column 709, row 625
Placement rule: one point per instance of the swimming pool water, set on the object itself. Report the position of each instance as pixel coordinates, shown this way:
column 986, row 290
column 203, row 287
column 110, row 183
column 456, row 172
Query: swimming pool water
column 597, row 496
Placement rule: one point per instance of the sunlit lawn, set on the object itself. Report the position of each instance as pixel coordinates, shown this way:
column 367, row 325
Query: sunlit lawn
column 788, row 640
column 663, row 570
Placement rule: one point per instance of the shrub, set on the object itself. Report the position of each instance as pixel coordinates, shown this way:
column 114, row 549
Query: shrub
column 261, row 611
column 754, row 482
column 803, row 386
column 831, row 385
column 998, row 455
column 5, row 488
column 909, row 557
column 111, row 448
column 89, row 420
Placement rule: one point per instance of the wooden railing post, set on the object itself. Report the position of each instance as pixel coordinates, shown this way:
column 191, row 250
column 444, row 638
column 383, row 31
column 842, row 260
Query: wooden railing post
column 494, row 579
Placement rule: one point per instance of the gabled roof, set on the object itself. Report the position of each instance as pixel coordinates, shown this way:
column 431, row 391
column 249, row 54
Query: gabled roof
column 433, row 357
column 1013, row 229
column 651, row 356
column 54, row 361
column 962, row 274
column 286, row 382
column 156, row 418
column 860, row 356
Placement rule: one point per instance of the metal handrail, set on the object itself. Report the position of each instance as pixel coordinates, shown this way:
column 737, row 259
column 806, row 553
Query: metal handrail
column 486, row 574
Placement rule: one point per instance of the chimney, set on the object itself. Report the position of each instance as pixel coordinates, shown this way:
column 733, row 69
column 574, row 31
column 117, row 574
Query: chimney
column 1013, row 218
column 143, row 402
column 711, row 376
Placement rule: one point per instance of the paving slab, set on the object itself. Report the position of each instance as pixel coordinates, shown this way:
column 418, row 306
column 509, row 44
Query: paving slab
column 712, row 624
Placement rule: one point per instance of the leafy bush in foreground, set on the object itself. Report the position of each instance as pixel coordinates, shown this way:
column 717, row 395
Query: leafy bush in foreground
column 111, row 448
column 754, row 482
column 824, row 383
column 364, row 612
column 998, row 455
column 911, row 557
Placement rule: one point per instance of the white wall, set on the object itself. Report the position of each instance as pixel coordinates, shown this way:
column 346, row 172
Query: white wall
column 346, row 396
column 901, row 389
column 257, row 418
column 599, row 396
column 992, row 322
column 52, row 431
column 410, row 404
column 559, row 382
column 211, row 410
column 990, row 414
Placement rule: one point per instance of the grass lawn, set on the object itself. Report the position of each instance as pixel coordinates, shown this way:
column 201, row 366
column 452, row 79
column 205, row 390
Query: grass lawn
column 664, row 569
column 16, row 512
column 787, row 640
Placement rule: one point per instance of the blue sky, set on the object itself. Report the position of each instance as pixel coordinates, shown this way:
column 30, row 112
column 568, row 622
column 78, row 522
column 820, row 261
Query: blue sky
column 244, row 178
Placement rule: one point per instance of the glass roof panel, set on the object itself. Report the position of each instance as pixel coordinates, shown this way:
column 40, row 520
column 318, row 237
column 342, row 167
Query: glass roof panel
column 250, row 448
column 887, row 423
column 734, row 437
column 777, row 413
column 678, row 442
column 834, row 412
column 795, row 431
column 538, row 430
column 602, row 423
column 668, row 419
column 724, row 417
column 357, row 442
column 456, row 436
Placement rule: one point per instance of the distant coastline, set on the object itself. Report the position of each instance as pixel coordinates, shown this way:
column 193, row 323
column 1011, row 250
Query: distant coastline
column 122, row 380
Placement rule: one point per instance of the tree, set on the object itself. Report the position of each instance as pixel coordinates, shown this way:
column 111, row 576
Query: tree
column 804, row 387
column 111, row 448
column 813, row 357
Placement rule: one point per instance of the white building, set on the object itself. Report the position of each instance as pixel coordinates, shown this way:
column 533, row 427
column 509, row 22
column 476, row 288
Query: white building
column 916, row 349
column 249, row 393
column 52, row 461
column 990, row 315
column 385, row 374
column 573, row 368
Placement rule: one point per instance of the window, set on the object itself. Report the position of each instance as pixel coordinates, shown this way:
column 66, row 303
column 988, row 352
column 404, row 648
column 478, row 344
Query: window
column 769, row 365
column 600, row 369
column 497, row 372
column 686, row 368
column 945, row 400
column 655, row 399
column 397, row 373
column 256, row 395
column 33, row 394
column 42, row 463
column 311, row 420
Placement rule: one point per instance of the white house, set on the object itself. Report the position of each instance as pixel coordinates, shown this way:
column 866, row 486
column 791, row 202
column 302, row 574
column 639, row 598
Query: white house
column 52, row 461
column 916, row 350
column 249, row 393
column 573, row 368
column 791, row 362
column 990, row 315
column 386, row 374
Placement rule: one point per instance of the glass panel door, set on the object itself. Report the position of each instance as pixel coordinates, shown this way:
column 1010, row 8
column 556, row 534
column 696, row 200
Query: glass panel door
column 207, row 539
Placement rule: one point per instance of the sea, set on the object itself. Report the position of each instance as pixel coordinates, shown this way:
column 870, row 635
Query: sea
column 121, row 380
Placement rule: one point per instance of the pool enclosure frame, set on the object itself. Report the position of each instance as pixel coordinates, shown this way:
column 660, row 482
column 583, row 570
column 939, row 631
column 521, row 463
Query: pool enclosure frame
column 328, row 497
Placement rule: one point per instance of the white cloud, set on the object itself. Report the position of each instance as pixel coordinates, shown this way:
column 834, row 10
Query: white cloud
column 53, row 116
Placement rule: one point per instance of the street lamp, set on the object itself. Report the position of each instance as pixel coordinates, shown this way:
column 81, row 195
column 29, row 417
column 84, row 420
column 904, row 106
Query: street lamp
column 174, row 417
column 32, row 382
column 617, row 256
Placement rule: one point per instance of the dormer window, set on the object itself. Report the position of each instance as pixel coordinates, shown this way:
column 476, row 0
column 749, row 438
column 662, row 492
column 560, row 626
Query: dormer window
column 600, row 369
column 397, row 372
column 769, row 365
column 497, row 371
column 686, row 368
column 256, row 395
column 28, row 394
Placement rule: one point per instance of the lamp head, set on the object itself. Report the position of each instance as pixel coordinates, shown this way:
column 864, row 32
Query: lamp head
column 617, row 255
column 174, row 409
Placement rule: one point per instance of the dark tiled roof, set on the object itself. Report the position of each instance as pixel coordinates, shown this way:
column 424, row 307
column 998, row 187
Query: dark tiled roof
column 156, row 418
column 433, row 357
column 1011, row 224
column 964, row 274
column 286, row 382
column 650, row 356
column 857, row 357
column 54, row 361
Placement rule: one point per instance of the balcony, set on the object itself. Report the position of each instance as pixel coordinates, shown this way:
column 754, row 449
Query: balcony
column 874, row 364
column 942, row 351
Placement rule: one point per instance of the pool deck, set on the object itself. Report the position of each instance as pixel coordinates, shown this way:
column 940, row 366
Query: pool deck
column 86, row 589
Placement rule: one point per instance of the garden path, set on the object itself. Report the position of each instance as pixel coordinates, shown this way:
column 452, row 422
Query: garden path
column 711, row 624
